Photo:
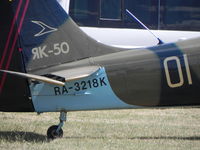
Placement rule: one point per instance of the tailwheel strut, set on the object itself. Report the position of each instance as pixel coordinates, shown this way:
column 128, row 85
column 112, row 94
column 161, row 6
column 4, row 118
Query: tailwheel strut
column 55, row 131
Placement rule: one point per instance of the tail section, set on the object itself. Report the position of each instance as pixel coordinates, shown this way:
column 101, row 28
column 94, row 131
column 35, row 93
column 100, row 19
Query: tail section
column 36, row 34
column 50, row 37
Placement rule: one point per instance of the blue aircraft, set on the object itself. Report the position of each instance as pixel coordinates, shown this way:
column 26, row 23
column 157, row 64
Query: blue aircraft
column 49, row 65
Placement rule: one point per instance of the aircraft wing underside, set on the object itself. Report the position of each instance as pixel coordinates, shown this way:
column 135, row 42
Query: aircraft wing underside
column 77, row 73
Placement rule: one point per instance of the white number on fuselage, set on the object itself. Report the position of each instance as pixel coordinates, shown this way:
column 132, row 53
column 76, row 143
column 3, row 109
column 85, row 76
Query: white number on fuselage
column 180, row 72
column 45, row 51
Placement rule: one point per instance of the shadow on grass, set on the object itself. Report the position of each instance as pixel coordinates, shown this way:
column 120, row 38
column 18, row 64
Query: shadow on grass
column 190, row 138
column 22, row 136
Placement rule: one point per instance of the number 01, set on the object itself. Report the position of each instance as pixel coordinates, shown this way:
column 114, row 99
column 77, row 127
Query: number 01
column 180, row 72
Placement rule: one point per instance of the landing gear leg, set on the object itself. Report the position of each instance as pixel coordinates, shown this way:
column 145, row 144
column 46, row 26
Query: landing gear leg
column 56, row 131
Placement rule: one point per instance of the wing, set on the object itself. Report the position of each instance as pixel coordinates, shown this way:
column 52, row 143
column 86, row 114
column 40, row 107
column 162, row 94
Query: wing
column 67, row 75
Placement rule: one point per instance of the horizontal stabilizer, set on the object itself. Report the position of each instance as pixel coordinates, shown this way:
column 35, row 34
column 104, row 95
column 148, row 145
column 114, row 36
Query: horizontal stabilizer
column 35, row 77
column 76, row 73
column 68, row 75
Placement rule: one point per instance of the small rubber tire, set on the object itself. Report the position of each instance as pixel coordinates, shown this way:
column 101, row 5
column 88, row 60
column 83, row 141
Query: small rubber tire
column 51, row 133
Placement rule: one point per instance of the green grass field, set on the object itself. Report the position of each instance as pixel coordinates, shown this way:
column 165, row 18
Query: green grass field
column 146, row 129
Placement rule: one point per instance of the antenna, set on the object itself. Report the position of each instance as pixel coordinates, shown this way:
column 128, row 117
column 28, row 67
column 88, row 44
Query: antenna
column 134, row 17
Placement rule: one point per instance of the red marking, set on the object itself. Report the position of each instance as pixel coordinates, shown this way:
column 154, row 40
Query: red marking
column 13, row 44
column 16, row 35
column 10, row 33
column 19, row 49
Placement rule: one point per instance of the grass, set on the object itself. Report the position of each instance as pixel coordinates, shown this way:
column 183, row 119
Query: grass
column 145, row 129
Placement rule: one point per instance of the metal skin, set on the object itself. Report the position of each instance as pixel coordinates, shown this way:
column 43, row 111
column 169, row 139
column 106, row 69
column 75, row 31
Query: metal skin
column 133, row 79
column 164, row 75
column 140, row 77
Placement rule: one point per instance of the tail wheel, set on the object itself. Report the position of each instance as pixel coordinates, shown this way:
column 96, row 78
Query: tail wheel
column 52, row 134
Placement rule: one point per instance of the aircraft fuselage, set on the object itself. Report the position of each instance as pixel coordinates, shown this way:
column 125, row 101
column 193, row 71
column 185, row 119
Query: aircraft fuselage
column 167, row 75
